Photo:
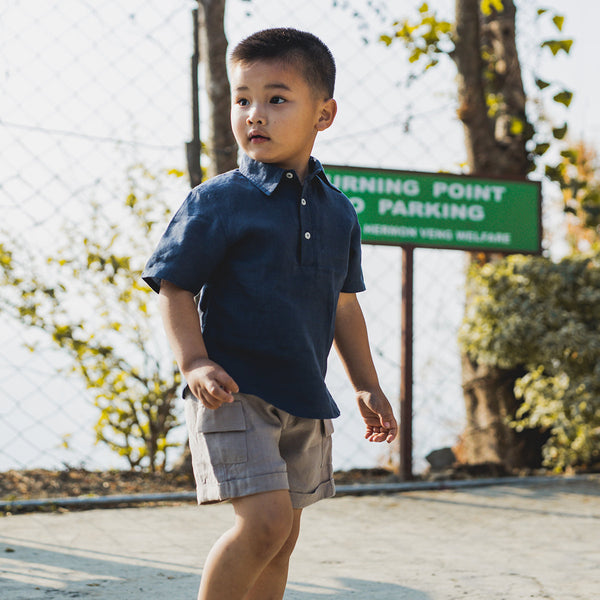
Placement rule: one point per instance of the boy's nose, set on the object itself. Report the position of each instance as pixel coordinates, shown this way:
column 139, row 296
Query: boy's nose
column 256, row 116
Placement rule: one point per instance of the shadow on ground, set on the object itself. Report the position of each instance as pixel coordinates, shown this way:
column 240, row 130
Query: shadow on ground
column 354, row 588
column 31, row 571
column 35, row 571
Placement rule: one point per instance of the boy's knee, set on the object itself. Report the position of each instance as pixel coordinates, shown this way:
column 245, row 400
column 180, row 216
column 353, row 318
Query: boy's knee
column 268, row 525
column 272, row 533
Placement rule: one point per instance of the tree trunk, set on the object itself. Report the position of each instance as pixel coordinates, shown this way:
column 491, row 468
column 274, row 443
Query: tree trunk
column 222, row 148
column 495, row 147
column 472, row 104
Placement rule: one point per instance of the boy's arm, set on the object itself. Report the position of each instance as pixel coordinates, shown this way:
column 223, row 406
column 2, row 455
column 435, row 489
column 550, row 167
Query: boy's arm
column 207, row 380
column 352, row 344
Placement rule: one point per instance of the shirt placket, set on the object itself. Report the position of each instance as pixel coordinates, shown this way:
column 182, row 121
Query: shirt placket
column 307, row 232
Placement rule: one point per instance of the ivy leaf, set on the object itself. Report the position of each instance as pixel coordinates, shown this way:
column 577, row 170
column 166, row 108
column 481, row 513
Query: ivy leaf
column 564, row 97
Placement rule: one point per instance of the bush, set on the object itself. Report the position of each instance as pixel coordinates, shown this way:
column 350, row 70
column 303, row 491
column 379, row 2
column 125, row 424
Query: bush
column 530, row 312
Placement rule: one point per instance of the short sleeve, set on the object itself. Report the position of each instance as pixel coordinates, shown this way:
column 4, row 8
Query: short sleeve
column 191, row 248
column 354, row 281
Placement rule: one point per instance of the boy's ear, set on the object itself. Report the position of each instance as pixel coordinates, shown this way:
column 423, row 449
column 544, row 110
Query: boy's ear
column 328, row 112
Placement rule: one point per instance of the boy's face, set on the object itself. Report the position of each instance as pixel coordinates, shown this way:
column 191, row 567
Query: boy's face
column 275, row 114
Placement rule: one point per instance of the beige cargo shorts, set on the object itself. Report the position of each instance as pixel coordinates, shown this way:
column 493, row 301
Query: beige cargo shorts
column 249, row 447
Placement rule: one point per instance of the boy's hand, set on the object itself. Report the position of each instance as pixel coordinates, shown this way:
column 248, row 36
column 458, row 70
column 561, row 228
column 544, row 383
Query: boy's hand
column 210, row 383
column 378, row 416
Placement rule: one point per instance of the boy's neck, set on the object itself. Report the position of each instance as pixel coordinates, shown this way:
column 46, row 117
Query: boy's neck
column 302, row 174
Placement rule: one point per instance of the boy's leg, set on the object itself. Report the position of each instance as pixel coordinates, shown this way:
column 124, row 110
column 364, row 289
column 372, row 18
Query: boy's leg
column 263, row 524
column 272, row 581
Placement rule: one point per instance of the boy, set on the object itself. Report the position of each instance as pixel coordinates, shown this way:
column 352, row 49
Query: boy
column 274, row 251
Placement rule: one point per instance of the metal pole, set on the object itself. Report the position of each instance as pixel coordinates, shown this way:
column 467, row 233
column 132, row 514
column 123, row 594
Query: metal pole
column 193, row 148
column 406, row 365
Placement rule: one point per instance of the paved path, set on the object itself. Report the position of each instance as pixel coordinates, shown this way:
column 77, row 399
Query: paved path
column 506, row 542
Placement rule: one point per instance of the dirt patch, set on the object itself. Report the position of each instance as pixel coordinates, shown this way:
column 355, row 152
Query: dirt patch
column 42, row 483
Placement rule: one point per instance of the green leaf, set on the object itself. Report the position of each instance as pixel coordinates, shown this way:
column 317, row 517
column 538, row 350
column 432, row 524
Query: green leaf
column 555, row 173
column 571, row 155
column 563, row 97
column 541, row 84
column 541, row 149
column 516, row 126
column 558, row 20
column 557, row 45
column 560, row 132
column 488, row 5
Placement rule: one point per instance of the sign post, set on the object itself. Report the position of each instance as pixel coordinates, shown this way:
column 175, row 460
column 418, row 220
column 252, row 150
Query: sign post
column 406, row 364
column 437, row 210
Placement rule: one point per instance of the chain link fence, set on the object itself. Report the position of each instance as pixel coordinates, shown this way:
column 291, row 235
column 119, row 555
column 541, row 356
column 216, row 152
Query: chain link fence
column 90, row 91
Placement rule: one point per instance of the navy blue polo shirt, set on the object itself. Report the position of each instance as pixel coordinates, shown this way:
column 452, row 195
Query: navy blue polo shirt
column 269, row 257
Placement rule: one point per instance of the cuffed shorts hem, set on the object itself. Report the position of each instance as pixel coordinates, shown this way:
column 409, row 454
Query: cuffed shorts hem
column 218, row 491
column 301, row 500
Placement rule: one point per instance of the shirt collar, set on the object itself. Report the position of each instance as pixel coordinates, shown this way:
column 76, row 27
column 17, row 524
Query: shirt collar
column 266, row 177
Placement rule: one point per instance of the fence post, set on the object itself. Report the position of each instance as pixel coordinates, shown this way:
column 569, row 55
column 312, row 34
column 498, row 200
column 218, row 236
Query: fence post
column 194, row 147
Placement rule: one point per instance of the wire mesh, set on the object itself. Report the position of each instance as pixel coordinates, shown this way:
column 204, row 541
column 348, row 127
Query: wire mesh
column 90, row 91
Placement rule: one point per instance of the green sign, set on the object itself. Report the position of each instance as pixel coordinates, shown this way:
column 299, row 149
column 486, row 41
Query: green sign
column 438, row 210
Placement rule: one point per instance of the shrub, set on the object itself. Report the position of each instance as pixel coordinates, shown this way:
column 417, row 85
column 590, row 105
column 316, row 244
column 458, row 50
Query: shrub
column 530, row 312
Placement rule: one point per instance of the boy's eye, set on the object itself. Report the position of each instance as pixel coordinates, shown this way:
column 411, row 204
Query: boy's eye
column 242, row 101
column 277, row 100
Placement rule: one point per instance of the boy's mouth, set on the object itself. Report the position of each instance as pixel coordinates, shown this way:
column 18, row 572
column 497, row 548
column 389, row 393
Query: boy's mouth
column 257, row 137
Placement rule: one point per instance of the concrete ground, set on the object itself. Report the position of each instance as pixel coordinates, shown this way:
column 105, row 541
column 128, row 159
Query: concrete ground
column 505, row 542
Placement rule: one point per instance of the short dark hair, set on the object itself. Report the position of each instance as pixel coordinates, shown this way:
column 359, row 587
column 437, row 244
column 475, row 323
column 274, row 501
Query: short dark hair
column 301, row 49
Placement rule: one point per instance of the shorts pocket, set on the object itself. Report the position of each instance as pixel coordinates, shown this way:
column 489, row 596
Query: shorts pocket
column 327, row 432
column 224, row 432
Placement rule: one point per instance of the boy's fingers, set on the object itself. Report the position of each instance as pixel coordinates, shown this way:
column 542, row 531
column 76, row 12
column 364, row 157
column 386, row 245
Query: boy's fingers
column 209, row 401
column 386, row 431
column 227, row 383
column 390, row 427
column 219, row 392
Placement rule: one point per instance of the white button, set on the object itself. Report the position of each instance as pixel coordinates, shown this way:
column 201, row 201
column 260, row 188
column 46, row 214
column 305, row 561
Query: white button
column 289, row 175
column 307, row 235
column 303, row 202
